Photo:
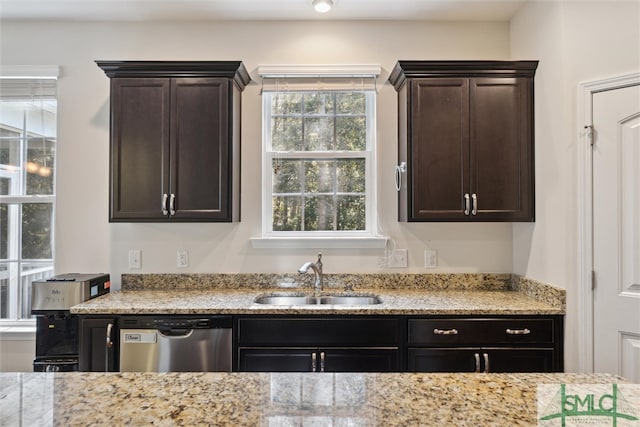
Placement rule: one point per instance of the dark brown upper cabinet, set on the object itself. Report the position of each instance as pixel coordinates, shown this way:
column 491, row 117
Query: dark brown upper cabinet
column 466, row 140
column 175, row 140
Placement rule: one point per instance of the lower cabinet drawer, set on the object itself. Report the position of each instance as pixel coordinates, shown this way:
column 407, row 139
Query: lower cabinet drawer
column 479, row 331
column 359, row 331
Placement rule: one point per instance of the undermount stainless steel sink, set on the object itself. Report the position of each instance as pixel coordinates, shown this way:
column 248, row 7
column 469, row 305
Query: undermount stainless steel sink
column 350, row 300
column 285, row 300
column 313, row 300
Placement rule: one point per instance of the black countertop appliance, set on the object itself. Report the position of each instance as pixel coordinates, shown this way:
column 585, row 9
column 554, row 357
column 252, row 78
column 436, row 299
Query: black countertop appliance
column 57, row 330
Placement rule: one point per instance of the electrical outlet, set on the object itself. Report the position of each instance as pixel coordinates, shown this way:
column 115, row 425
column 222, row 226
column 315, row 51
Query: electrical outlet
column 182, row 259
column 430, row 258
column 135, row 261
column 398, row 258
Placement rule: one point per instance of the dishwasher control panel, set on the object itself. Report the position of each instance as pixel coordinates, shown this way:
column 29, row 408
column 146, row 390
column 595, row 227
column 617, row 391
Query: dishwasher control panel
column 175, row 322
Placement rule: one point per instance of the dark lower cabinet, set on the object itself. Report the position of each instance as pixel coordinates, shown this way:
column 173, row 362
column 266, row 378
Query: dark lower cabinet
column 485, row 344
column 480, row 360
column 319, row 344
column 95, row 352
column 319, row 360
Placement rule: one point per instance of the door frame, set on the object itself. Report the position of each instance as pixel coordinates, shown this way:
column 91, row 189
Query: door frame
column 586, row 90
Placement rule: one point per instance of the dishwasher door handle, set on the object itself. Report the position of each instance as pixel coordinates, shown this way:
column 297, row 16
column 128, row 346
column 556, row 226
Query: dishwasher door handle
column 175, row 333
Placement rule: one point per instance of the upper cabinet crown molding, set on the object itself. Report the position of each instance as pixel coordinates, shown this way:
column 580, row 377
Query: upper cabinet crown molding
column 415, row 69
column 228, row 69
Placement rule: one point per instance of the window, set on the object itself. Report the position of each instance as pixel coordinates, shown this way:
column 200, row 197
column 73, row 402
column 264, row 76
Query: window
column 28, row 110
column 318, row 152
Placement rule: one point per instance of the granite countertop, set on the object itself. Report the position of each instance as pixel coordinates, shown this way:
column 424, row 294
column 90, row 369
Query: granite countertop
column 400, row 294
column 217, row 301
column 283, row 399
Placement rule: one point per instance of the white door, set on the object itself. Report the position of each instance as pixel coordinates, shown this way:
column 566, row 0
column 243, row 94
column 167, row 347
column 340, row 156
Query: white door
column 616, row 231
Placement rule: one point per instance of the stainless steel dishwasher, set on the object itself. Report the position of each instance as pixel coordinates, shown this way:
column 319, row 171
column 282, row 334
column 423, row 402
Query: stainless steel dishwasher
column 175, row 344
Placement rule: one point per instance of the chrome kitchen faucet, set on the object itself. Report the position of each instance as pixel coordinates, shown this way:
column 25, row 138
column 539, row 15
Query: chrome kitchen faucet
column 317, row 270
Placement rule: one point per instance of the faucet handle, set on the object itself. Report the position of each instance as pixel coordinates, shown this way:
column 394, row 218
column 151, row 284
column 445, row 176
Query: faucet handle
column 319, row 262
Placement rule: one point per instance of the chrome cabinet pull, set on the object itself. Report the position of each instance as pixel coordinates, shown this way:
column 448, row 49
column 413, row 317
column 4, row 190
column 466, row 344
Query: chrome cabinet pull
column 164, row 204
column 466, row 204
column 172, row 204
column 524, row 331
column 109, row 329
column 109, row 345
column 445, row 331
column 322, row 361
column 400, row 169
column 313, row 362
column 474, row 204
column 486, row 362
column 477, row 357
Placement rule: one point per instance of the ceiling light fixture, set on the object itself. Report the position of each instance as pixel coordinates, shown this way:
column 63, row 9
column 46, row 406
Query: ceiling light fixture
column 322, row 6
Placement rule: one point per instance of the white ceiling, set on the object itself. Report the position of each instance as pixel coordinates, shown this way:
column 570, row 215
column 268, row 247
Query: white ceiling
column 166, row 10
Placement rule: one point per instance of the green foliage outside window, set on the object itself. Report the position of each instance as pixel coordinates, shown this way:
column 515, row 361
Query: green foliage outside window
column 311, row 193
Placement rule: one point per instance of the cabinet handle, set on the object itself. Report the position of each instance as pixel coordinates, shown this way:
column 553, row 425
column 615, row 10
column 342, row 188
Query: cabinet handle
column 486, row 362
column 164, row 204
column 109, row 345
column 313, row 362
column 400, row 169
column 474, row 204
column 466, row 204
column 445, row 331
column 322, row 361
column 524, row 331
column 172, row 204
column 477, row 357
column 109, row 329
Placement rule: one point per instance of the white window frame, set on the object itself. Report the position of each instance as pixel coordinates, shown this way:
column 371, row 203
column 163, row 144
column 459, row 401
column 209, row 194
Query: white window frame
column 24, row 327
column 367, row 238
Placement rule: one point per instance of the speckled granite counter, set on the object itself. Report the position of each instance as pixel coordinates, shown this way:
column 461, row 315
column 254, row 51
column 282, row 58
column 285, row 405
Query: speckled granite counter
column 276, row 399
column 400, row 294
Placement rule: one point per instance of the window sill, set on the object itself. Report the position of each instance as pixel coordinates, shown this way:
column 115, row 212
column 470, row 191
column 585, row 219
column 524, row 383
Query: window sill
column 18, row 331
column 319, row 242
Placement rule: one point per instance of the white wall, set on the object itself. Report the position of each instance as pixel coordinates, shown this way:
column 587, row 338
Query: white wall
column 85, row 241
column 17, row 350
column 575, row 42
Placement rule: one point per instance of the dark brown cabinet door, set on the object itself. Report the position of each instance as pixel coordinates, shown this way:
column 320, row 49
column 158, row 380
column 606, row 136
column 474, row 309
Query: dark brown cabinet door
column 276, row 360
column 501, row 148
column 139, row 147
column 94, row 354
column 443, row 360
column 359, row 360
column 200, row 148
column 519, row 360
column 439, row 148
column 466, row 136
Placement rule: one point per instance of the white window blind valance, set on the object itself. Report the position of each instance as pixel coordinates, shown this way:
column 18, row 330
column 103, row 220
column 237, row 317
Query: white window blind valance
column 12, row 88
column 294, row 78
column 24, row 82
